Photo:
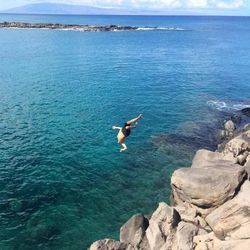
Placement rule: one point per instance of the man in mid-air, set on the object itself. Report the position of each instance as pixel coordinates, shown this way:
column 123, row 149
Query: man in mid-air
column 125, row 131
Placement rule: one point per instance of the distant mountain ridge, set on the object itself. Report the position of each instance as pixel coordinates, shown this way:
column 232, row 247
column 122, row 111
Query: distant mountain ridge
column 67, row 9
column 70, row 9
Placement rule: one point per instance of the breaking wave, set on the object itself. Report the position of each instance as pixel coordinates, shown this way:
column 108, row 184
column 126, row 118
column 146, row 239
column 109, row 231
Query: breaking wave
column 161, row 28
column 223, row 106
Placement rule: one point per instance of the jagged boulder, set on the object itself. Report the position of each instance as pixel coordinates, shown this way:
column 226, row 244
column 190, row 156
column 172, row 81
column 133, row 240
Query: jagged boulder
column 237, row 146
column 162, row 227
column 134, row 230
column 187, row 212
column 108, row 244
column 229, row 126
column 242, row 158
column 204, row 241
column 232, row 219
column 206, row 187
column 184, row 235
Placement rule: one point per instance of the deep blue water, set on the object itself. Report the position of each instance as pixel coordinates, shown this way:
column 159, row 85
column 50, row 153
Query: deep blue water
column 63, row 182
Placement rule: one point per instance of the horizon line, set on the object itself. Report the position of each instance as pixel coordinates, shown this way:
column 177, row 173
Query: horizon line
column 173, row 15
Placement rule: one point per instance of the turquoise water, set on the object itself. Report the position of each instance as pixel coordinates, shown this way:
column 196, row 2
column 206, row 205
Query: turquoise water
column 63, row 182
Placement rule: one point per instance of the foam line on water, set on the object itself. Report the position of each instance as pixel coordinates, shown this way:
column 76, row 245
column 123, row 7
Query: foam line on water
column 161, row 28
column 223, row 106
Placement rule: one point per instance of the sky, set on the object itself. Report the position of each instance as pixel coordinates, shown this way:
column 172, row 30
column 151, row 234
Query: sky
column 240, row 7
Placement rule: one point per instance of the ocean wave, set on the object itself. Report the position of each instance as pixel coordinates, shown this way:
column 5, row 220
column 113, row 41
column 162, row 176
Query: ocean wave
column 223, row 106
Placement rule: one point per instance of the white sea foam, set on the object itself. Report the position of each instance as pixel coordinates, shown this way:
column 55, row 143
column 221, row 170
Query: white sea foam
column 161, row 28
column 223, row 106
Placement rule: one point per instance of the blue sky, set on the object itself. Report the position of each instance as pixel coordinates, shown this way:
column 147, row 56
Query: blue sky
column 237, row 7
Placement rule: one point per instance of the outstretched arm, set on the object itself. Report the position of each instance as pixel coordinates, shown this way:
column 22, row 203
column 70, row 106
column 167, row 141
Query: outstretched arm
column 134, row 120
column 133, row 126
column 114, row 127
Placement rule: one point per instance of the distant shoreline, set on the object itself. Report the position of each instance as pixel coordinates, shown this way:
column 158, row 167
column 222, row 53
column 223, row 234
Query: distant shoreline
column 76, row 27
column 82, row 28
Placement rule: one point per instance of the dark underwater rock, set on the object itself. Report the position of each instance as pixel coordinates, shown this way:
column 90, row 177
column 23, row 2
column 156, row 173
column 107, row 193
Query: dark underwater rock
column 236, row 119
column 246, row 111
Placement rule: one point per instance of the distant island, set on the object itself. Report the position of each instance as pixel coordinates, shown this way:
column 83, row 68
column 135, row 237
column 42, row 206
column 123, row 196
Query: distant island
column 72, row 9
column 77, row 27
column 46, row 8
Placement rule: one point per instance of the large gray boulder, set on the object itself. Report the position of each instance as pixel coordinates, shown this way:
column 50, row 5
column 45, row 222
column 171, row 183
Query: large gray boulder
column 134, row 230
column 206, row 187
column 232, row 219
column 162, row 227
column 108, row 244
column 184, row 235
column 205, row 158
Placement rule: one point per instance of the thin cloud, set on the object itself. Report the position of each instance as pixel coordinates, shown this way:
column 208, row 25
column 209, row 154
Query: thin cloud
column 159, row 4
column 230, row 4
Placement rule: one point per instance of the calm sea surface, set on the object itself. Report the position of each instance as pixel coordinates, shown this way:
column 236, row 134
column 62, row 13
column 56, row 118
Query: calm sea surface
column 63, row 182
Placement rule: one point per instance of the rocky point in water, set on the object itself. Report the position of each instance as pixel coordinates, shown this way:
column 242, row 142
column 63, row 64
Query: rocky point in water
column 210, row 207
column 73, row 27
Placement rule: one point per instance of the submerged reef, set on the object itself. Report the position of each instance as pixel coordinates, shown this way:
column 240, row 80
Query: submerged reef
column 210, row 202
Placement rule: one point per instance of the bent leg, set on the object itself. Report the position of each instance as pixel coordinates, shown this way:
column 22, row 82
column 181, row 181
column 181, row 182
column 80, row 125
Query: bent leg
column 114, row 127
column 134, row 120
column 124, row 147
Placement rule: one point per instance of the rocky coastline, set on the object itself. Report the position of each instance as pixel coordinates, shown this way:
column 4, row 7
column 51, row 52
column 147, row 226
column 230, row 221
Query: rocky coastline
column 76, row 27
column 210, row 208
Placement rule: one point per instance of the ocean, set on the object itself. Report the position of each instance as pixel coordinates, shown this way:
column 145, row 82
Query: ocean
column 63, row 181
